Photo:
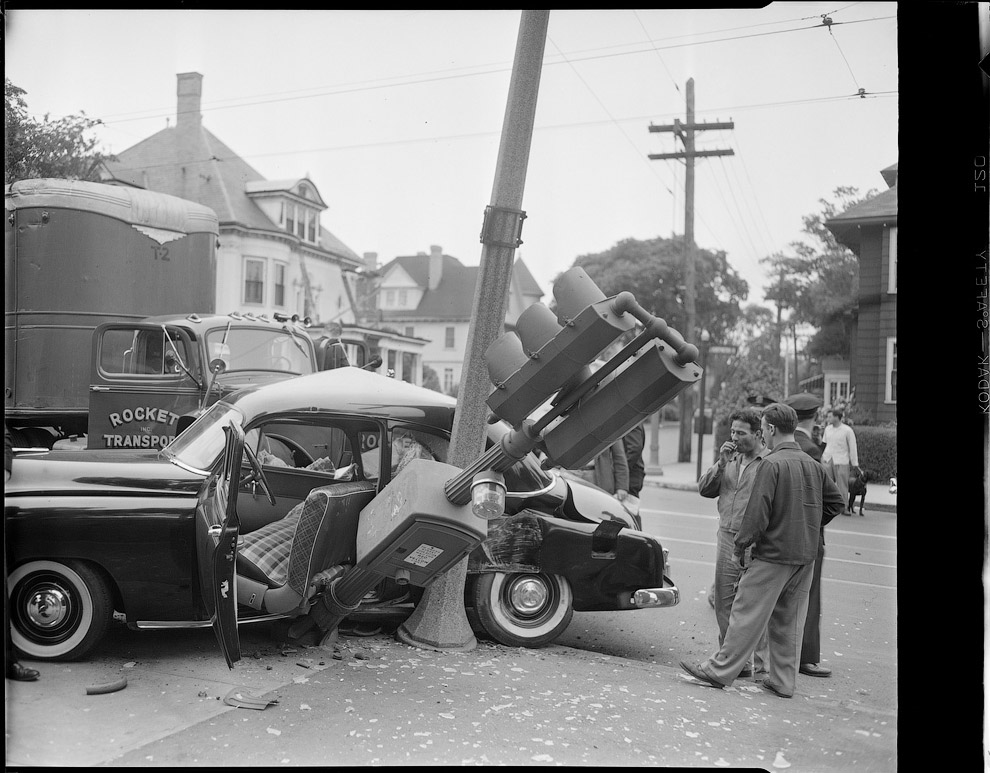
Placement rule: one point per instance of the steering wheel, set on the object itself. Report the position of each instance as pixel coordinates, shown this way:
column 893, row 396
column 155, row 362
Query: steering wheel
column 257, row 474
column 298, row 452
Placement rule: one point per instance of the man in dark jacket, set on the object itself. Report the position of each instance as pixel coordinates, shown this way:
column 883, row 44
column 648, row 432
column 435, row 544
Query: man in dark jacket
column 15, row 670
column 806, row 406
column 792, row 496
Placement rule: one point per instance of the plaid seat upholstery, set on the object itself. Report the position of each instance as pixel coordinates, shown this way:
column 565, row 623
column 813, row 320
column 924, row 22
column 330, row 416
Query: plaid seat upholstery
column 282, row 551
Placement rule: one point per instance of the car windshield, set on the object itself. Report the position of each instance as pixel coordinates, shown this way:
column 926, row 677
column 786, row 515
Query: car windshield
column 261, row 349
column 199, row 446
column 526, row 474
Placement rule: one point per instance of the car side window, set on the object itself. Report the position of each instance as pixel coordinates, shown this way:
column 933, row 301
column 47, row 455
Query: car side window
column 327, row 448
column 408, row 443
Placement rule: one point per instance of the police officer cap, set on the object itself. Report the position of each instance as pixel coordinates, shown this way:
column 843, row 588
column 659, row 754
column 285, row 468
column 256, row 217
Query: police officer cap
column 804, row 404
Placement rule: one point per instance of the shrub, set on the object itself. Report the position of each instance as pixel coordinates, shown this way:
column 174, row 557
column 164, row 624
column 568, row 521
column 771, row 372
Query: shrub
column 877, row 448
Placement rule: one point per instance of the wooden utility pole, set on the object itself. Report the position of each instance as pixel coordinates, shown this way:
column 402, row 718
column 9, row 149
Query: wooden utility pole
column 685, row 132
column 439, row 621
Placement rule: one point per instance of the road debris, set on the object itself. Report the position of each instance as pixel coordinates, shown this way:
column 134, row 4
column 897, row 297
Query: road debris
column 241, row 699
column 103, row 689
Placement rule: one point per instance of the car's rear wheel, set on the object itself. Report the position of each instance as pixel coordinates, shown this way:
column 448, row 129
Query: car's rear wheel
column 519, row 609
column 58, row 610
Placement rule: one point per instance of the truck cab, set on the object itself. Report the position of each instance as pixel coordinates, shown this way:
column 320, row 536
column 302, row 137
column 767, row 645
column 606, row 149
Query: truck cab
column 150, row 379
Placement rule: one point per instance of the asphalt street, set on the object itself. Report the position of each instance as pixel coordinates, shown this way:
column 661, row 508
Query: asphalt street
column 609, row 692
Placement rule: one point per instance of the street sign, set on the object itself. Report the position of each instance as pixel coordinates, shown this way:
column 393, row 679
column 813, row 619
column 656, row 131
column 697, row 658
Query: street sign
column 723, row 349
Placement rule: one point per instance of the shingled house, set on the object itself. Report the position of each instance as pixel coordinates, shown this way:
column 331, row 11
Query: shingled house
column 869, row 229
column 431, row 296
column 275, row 254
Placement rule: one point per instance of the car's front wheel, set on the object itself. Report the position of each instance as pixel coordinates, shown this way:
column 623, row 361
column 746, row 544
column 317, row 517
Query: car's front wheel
column 58, row 610
column 519, row 609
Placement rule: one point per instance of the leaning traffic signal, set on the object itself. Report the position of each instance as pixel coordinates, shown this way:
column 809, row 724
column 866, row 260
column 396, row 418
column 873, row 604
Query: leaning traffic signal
column 549, row 351
column 651, row 379
column 550, row 355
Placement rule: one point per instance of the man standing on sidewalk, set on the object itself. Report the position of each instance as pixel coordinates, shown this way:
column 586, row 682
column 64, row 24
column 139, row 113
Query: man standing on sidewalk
column 806, row 406
column 792, row 496
column 840, row 450
column 731, row 480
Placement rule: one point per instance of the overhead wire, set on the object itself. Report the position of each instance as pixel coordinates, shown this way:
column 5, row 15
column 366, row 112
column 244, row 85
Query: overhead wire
column 439, row 75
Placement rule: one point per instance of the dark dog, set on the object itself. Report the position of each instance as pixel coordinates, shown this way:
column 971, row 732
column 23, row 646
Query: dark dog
column 857, row 488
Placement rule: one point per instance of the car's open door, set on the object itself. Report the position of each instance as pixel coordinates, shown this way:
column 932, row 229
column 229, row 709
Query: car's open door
column 217, row 530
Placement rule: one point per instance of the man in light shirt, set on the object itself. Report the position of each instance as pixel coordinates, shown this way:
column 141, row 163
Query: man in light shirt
column 840, row 450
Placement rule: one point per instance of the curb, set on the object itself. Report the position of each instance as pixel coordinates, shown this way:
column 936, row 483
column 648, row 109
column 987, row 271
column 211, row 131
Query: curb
column 876, row 507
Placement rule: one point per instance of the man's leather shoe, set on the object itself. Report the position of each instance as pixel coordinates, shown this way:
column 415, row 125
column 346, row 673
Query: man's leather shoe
column 20, row 673
column 701, row 676
column 767, row 685
column 813, row 669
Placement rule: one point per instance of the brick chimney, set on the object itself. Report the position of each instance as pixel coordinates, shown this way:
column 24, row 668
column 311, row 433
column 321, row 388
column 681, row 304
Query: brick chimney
column 190, row 95
column 436, row 266
column 371, row 261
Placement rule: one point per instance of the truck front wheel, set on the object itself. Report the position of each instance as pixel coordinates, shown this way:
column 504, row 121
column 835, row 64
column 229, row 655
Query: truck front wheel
column 519, row 609
column 58, row 610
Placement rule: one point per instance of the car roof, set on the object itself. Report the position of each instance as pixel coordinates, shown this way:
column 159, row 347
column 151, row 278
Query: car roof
column 348, row 390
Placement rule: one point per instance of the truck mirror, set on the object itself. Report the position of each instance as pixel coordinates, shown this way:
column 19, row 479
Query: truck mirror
column 218, row 365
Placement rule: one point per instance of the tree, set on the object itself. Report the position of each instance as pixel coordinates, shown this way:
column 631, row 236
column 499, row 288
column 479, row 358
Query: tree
column 653, row 270
column 430, row 379
column 46, row 148
column 819, row 283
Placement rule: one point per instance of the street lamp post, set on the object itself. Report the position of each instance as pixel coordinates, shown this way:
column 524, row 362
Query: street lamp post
column 705, row 339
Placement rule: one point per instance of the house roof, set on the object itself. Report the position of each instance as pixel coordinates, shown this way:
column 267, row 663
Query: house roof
column 194, row 164
column 526, row 282
column 879, row 211
column 890, row 175
column 454, row 296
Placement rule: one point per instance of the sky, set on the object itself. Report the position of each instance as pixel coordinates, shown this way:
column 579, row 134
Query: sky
column 396, row 115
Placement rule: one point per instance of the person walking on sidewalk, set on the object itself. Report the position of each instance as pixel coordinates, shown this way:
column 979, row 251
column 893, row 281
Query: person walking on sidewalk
column 840, row 450
column 633, row 442
column 806, row 406
column 792, row 495
column 731, row 480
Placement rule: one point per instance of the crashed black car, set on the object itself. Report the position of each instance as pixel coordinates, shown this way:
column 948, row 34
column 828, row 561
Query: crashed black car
column 91, row 533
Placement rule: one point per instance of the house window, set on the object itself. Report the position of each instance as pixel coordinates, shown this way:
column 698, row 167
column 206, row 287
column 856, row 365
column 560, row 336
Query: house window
column 448, row 380
column 890, row 392
column 838, row 390
column 410, row 331
column 892, row 262
column 301, row 223
column 449, row 339
column 389, row 298
column 402, row 299
column 312, row 227
column 254, row 281
column 290, row 218
column 279, row 284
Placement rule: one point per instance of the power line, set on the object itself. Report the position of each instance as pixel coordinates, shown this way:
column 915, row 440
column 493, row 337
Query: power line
column 441, row 75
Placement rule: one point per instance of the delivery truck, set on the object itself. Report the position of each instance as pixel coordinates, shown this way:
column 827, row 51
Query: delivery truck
column 111, row 339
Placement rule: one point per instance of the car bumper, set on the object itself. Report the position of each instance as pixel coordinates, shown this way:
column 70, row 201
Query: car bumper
column 648, row 598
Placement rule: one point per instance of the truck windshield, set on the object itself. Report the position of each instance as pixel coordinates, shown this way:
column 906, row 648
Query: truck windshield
column 198, row 447
column 261, row 349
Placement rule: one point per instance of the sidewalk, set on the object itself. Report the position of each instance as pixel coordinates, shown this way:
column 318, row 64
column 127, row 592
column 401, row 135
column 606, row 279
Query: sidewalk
column 683, row 475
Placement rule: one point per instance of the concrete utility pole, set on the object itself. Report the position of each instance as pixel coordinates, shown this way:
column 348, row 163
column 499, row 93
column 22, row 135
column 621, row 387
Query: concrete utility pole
column 439, row 621
column 685, row 132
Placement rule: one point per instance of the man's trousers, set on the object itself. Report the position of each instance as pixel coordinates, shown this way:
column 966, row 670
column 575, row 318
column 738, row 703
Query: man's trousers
column 772, row 598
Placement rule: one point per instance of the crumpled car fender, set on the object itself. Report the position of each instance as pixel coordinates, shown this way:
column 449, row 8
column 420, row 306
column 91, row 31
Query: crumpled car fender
column 604, row 563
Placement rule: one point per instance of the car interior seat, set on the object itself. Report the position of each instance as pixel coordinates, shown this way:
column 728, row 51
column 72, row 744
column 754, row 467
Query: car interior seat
column 276, row 562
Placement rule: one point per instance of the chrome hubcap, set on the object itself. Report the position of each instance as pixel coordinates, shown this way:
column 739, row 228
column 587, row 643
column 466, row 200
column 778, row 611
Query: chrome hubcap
column 47, row 608
column 529, row 595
